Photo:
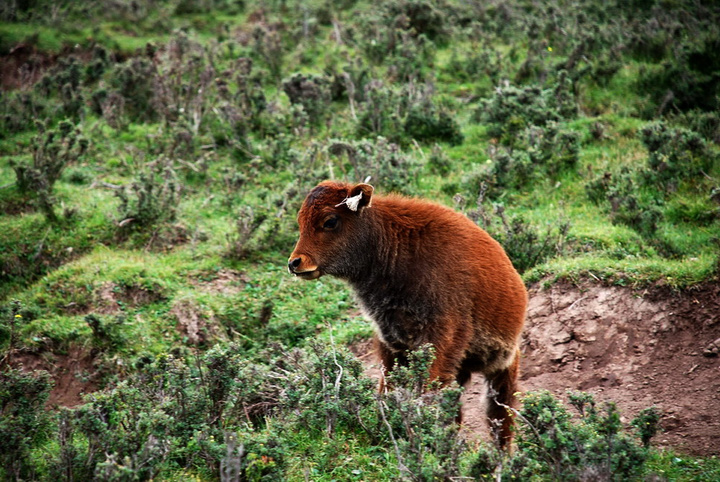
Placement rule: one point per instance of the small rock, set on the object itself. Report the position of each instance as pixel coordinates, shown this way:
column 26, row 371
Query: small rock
column 561, row 337
column 713, row 349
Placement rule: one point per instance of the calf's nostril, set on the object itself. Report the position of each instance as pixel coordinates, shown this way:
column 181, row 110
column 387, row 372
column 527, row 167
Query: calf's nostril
column 294, row 263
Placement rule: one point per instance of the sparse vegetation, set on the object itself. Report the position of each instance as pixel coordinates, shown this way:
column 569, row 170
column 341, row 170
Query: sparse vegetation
column 154, row 154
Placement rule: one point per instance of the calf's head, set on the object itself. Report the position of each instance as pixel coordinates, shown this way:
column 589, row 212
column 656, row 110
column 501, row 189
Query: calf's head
column 330, row 224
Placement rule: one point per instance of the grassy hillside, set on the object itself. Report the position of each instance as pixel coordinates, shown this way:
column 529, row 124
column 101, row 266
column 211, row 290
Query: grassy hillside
column 153, row 159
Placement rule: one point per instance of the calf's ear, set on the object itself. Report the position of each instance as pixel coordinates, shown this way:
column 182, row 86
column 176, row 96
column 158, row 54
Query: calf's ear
column 360, row 197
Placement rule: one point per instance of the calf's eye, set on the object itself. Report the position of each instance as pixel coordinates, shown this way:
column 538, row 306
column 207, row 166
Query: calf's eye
column 331, row 223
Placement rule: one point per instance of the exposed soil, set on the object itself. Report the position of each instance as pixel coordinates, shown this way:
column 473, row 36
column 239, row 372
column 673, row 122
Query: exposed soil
column 23, row 66
column 636, row 348
column 73, row 374
column 193, row 322
column 225, row 281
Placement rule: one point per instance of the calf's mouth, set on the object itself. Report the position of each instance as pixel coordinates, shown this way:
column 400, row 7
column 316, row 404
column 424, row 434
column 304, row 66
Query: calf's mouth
column 308, row 275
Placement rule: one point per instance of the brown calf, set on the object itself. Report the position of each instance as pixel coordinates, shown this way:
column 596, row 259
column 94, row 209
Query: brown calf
column 423, row 274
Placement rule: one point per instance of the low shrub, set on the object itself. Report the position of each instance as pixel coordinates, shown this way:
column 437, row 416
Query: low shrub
column 427, row 123
column 325, row 391
column 382, row 161
column 525, row 244
column 25, row 424
column 707, row 124
column 404, row 114
column 511, row 109
column 552, row 444
column 168, row 414
column 349, row 81
column 133, row 80
column 438, row 162
column 536, row 155
column 52, row 151
column 381, row 112
column 253, row 456
column 627, row 203
column 674, row 154
column 246, row 415
column 686, row 78
column 151, row 199
column 19, row 110
column 247, row 222
column 268, row 47
column 419, row 417
column 482, row 60
column 637, row 197
column 237, row 111
column 403, row 36
column 312, row 92
column 65, row 81
column 107, row 334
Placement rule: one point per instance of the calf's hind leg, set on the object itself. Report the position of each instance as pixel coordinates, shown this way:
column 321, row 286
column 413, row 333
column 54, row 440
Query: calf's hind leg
column 501, row 395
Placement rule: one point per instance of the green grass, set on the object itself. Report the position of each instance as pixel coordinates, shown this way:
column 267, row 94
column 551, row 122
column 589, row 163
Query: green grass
column 630, row 271
column 673, row 466
column 45, row 39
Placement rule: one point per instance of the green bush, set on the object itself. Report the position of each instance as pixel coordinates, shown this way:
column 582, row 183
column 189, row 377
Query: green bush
column 707, row 124
column 189, row 7
column 506, row 169
column 675, row 154
column 427, row 123
column 237, row 111
column 383, row 162
column 312, row 92
column 229, row 413
column 526, row 245
column 421, row 17
column 184, row 89
column 133, row 80
column 536, row 155
column 247, row 223
column 403, row 35
column 551, row 444
column 65, row 80
column 350, row 81
column 268, row 46
column 628, row 203
column 107, row 335
column 151, row 199
column 404, row 114
column 420, row 418
column 19, row 110
column 637, row 197
column 253, row 456
column 381, row 112
column 325, row 391
column 512, row 109
column 168, row 414
column 438, row 162
column 686, row 78
column 52, row 151
column 24, row 422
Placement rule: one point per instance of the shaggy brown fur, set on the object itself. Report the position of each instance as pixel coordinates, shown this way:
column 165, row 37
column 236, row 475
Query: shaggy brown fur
column 424, row 274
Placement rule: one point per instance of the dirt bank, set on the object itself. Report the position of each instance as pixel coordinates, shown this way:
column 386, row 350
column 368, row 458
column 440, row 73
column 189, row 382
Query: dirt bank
column 637, row 348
